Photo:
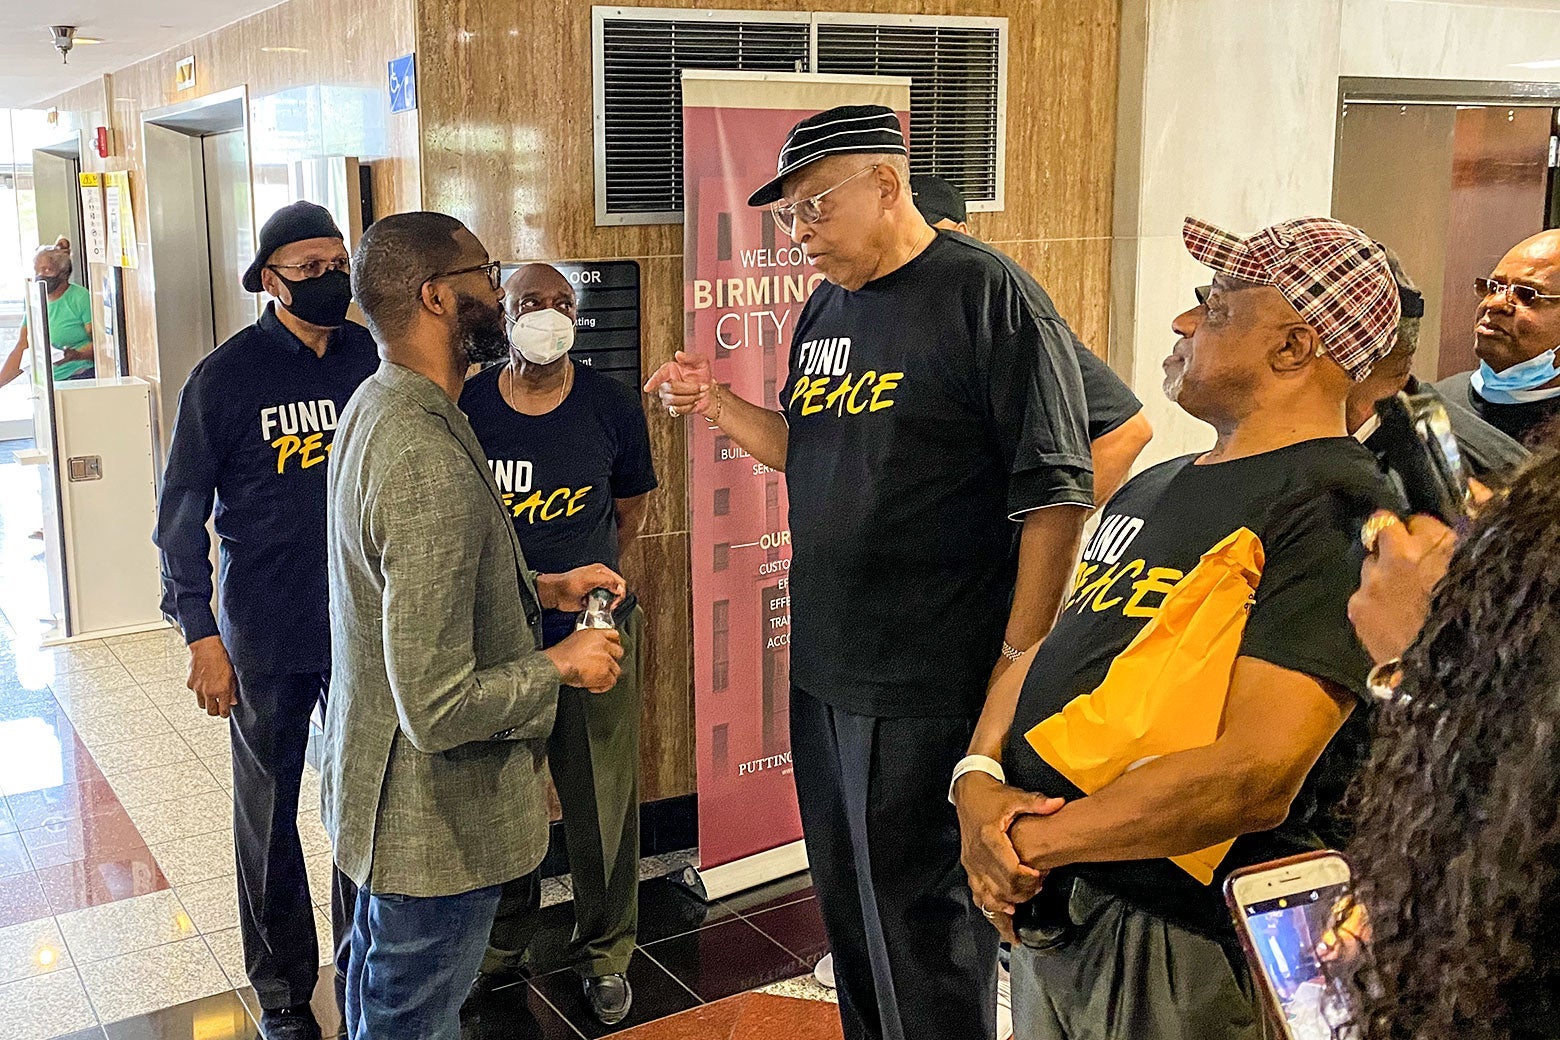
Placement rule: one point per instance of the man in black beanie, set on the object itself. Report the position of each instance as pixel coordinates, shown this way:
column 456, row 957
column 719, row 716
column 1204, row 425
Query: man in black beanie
column 254, row 430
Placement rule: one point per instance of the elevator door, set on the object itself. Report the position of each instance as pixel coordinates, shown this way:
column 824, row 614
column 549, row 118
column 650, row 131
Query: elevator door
column 229, row 231
column 1451, row 188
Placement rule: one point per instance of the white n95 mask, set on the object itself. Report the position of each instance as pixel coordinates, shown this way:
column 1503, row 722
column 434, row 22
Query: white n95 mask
column 542, row 336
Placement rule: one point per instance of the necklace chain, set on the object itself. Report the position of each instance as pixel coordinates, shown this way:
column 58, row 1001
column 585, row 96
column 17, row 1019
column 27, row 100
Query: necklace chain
column 563, row 389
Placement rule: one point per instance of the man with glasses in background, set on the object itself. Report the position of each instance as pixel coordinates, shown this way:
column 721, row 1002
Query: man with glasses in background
column 254, row 429
column 934, row 435
column 1516, row 387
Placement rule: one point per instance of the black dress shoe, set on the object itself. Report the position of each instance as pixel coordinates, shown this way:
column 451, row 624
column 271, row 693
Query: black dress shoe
column 291, row 1023
column 611, row 998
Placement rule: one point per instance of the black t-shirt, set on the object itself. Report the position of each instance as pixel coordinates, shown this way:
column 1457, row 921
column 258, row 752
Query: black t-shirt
column 927, row 409
column 1111, row 402
column 1305, row 503
column 256, row 420
column 560, row 473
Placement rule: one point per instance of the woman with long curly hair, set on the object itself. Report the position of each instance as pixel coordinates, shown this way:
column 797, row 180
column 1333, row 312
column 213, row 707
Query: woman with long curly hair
column 1456, row 851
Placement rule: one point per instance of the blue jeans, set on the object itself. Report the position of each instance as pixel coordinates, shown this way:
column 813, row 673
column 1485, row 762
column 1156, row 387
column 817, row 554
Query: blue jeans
column 413, row 961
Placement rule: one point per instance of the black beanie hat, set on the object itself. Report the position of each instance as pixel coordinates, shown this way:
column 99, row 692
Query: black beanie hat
column 294, row 222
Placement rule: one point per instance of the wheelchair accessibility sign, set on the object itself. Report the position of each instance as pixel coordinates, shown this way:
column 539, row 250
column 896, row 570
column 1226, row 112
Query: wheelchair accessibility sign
column 403, row 83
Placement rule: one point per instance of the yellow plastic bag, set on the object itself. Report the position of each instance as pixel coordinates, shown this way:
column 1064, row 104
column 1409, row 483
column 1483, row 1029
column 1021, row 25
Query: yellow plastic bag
column 1165, row 692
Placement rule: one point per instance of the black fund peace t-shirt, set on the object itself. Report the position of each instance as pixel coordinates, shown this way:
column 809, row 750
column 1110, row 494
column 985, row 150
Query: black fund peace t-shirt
column 927, row 410
column 1305, row 503
column 560, row 473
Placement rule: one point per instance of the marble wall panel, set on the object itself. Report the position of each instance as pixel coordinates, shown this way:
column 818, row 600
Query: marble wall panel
column 506, row 114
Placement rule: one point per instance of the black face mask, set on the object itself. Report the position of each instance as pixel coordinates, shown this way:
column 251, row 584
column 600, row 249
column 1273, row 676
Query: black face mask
column 321, row 301
column 55, row 282
column 479, row 331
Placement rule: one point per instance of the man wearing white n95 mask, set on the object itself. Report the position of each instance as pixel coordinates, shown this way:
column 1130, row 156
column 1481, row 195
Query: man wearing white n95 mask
column 570, row 452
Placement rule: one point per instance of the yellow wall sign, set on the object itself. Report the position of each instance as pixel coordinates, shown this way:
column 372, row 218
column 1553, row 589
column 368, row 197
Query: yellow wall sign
column 184, row 74
column 120, row 220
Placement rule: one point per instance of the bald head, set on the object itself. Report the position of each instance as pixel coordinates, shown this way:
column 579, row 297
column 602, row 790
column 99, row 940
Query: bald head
column 537, row 287
column 1507, row 332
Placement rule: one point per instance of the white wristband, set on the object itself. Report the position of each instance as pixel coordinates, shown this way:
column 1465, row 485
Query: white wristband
column 976, row 764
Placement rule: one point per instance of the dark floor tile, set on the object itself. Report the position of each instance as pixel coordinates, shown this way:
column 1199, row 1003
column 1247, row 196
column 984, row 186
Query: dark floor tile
column 327, row 1012
column 549, row 949
column 667, row 909
column 798, row 927
column 515, row 1012
column 777, row 893
column 656, row 995
column 725, row 959
column 222, row 1017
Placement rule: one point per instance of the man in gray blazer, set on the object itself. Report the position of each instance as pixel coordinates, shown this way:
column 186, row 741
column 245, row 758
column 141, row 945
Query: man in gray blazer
column 441, row 701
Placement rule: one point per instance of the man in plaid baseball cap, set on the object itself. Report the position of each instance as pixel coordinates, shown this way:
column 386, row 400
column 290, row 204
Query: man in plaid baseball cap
column 1335, row 277
column 1296, row 313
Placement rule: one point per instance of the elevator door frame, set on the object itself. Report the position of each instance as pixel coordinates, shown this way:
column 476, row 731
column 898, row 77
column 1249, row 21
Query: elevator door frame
column 172, row 144
column 1377, row 90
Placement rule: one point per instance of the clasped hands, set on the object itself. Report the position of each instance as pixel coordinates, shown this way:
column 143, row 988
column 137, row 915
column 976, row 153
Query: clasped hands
column 999, row 879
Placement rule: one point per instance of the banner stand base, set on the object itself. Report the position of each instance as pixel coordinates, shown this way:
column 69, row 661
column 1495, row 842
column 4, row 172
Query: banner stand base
column 709, row 884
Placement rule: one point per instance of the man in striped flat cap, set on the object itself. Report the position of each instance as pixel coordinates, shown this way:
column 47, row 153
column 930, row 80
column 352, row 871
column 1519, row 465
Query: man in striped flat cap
column 934, row 433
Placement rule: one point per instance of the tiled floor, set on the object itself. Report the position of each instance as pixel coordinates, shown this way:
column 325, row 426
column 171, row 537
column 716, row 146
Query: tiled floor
column 118, row 914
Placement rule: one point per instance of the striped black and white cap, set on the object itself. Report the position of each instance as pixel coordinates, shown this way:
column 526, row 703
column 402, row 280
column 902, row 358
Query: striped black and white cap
column 849, row 129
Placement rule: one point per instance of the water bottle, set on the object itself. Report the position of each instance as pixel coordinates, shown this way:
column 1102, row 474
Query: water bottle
column 597, row 612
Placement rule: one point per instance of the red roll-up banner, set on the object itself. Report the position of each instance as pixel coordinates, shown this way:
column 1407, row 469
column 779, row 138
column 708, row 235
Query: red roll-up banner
column 744, row 287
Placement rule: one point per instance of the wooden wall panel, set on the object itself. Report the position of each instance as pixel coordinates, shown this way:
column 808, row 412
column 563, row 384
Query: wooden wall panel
column 502, row 140
column 322, row 43
column 507, row 147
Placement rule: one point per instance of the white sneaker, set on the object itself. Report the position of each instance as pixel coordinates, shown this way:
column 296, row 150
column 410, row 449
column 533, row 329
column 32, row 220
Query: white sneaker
column 824, row 972
column 1004, row 1006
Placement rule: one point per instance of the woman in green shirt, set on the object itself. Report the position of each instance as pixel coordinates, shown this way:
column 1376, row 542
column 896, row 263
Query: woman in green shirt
column 70, row 319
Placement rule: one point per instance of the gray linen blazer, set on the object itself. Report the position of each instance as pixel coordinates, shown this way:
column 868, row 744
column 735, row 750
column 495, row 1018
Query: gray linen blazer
column 440, row 700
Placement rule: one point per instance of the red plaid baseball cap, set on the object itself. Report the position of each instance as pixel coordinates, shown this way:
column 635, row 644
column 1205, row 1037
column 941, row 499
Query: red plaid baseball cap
column 1334, row 275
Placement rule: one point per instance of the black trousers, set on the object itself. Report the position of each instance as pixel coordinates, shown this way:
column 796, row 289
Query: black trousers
column 1126, row 974
column 270, row 727
column 913, row 958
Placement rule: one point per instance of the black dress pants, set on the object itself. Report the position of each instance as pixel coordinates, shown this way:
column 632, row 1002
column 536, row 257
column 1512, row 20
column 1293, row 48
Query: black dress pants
column 913, row 958
column 270, row 728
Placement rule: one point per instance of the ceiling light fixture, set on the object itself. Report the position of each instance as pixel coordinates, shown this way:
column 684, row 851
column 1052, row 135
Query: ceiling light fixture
column 64, row 40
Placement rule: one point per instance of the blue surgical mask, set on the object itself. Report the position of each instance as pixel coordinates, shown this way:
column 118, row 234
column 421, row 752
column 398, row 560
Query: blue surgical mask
column 1521, row 382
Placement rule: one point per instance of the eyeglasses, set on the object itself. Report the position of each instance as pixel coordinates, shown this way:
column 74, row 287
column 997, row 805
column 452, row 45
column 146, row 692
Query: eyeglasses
column 1202, row 293
column 491, row 269
column 1523, row 294
column 314, row 268
column 807, row 210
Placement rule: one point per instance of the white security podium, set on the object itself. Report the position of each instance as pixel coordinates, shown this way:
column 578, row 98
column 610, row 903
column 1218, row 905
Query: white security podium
column 107, row 507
